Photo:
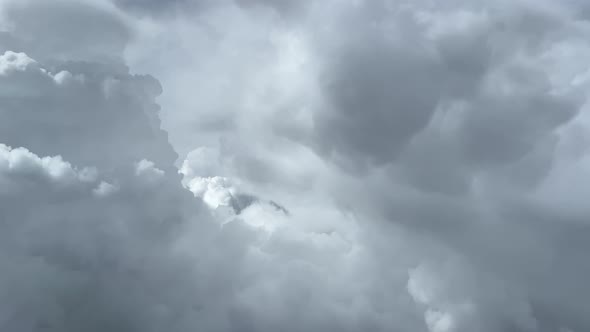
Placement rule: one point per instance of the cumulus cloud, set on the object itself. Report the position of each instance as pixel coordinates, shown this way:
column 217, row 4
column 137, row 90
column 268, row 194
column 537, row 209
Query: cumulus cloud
column 105, row 33
column 99, row 234
column 323, row 166
column 463, row 122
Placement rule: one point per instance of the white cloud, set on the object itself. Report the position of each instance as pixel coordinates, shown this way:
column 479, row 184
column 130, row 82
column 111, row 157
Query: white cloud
column 12, row 61
column 22, row 162
column 147, row 169
column 214, row 191
column 105, row 189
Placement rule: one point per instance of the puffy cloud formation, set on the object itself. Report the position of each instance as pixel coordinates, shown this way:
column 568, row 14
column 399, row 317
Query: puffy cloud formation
column 345, row 165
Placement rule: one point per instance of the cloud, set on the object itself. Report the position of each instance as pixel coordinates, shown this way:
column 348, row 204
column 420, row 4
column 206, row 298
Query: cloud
column 95, row 30
column 94, row 98
column 456, row 300
column 462, row 123
column 21, row 165
column 98, row 232
column 344, row 166
column 165, row 8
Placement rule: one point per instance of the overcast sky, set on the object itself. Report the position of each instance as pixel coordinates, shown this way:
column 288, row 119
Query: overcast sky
column 278, row 165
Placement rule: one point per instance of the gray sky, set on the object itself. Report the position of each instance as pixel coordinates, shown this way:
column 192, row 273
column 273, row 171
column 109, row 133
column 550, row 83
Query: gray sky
column 266, row 165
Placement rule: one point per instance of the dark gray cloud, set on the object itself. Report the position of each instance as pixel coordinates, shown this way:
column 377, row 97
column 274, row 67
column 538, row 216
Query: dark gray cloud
column 363, row 165
column 164, row 8
column 108, row 97
column 398, row 66
column 94, row 31
column 458, row 121
column 98, row 233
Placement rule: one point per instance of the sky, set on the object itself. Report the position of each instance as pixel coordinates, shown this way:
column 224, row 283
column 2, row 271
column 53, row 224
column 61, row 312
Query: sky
column 276, row 165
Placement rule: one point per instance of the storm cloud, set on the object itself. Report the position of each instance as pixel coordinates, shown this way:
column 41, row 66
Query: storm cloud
column 287, row 166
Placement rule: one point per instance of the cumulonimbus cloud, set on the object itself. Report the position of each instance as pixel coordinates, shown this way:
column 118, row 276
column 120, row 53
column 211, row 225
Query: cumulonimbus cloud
column 355, row 165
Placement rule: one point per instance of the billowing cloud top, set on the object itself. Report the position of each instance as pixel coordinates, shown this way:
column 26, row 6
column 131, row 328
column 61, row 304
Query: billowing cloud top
column 338, row 165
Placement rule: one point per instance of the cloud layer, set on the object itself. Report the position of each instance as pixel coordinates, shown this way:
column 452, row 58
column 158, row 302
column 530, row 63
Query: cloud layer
column 325, row 166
